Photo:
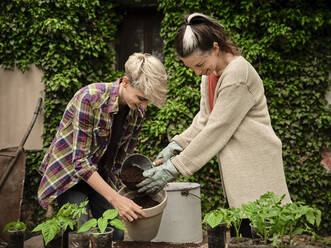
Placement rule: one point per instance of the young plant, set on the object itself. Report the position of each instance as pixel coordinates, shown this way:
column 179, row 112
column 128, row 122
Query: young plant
column 235, row 217
column 262, row 213
column 70, row 214
column 217, row 217
column 231, row 217
column 274, row 220
column 295, row 218
column 15, row 226
column 108, row 217
column 67, row 216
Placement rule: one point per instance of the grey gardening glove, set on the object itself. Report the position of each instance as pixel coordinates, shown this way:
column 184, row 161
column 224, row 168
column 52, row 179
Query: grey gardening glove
column 158, row 177
column 168, row 152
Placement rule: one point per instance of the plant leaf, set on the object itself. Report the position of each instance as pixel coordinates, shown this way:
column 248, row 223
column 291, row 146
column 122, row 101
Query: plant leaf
column 110, row 214
column 118, row 224
column 50, row 230
column 102, row 224
column 87, row 225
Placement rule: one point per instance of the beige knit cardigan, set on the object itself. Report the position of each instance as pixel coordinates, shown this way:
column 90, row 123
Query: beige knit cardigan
column 239, row 132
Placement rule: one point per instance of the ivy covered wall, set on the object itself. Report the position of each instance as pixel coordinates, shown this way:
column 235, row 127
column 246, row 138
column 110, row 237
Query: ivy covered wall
column 72, row 42
column 288, row 42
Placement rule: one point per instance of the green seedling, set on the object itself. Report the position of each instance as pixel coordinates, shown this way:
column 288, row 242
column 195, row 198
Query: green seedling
column 67, row 216
column 14, row 226
column 108, row 217
column 230, row 217
column 274, row 220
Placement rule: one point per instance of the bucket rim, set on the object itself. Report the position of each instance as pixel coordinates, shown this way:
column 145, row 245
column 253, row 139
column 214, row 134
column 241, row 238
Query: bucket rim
column 189, row 187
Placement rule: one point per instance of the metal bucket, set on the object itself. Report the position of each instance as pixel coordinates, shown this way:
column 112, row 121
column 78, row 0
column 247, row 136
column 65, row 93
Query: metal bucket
column 139, row 160
column 181, row 220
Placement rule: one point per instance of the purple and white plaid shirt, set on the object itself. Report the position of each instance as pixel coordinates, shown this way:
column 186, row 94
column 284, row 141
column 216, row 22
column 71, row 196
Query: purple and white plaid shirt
column 83, row 137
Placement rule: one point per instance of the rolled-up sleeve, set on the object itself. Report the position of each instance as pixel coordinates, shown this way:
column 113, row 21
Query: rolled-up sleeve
column 82, row 138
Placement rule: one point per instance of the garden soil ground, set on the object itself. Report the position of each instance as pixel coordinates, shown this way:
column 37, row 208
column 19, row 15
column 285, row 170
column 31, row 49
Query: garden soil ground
column 36, row 241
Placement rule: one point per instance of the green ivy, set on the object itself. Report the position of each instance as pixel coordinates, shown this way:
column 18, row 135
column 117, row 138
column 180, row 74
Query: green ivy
column 288, row 42
column 71, row 41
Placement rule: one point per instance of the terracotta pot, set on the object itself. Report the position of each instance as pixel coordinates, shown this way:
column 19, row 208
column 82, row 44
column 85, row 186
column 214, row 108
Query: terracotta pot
column 16, row 239
column 145, row 229
column 216, row 236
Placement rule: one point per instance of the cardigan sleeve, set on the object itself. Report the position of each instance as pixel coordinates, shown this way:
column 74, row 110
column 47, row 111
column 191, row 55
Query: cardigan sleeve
column 232, row 105
column 198, row 123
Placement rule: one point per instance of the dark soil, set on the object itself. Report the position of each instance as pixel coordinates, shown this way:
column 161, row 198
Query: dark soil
column 145, row 201
column 305, row 239
column 131, row 176
column 140, row 244
column 299, row 241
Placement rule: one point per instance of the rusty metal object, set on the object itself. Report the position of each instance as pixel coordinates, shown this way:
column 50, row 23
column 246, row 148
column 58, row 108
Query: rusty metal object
column 12, row 176
column 11, row 193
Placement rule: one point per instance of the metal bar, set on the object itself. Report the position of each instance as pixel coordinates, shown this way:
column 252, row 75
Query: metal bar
column 20, row 147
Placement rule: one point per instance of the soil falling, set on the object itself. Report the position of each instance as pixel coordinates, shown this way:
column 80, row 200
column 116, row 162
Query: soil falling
column 131, row 176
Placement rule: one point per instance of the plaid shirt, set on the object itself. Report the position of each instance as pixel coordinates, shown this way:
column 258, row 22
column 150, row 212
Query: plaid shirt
column 83, row 137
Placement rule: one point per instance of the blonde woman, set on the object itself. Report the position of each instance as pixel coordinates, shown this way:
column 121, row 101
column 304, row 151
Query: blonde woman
column 99, row 128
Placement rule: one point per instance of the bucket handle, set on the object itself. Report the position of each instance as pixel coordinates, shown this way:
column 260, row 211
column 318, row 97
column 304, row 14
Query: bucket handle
column 186, row 192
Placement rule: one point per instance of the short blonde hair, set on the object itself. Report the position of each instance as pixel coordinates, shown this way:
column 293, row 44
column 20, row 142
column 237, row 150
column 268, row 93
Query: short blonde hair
column 147, row 73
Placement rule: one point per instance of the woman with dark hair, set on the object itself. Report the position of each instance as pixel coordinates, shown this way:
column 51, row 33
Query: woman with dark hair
column 233, row 122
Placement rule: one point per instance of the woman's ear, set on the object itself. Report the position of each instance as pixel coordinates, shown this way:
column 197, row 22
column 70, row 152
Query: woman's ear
column 215, row 45
column 125, row 81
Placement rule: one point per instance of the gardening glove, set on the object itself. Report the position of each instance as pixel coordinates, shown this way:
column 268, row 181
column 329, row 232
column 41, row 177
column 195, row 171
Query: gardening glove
column 157, row 178
column 168, row 152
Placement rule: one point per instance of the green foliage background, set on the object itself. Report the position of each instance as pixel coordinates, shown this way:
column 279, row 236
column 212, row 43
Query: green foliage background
column 288, row 42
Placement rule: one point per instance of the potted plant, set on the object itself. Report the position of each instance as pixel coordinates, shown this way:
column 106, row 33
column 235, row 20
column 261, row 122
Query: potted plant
column 100, row 232
column 273, row 221
column 216, row 227
column 55, row 229
column 15, row 230
column 261, row 214
column 275, row 224
column 294, row 219
column 222, row 219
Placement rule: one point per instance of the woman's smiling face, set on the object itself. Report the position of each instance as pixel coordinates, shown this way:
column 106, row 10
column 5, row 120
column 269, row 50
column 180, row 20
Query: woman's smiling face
column 203, row 64
column 131, row 96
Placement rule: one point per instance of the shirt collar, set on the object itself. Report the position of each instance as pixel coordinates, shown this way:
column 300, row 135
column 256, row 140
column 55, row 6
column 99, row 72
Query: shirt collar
column 113, row 102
